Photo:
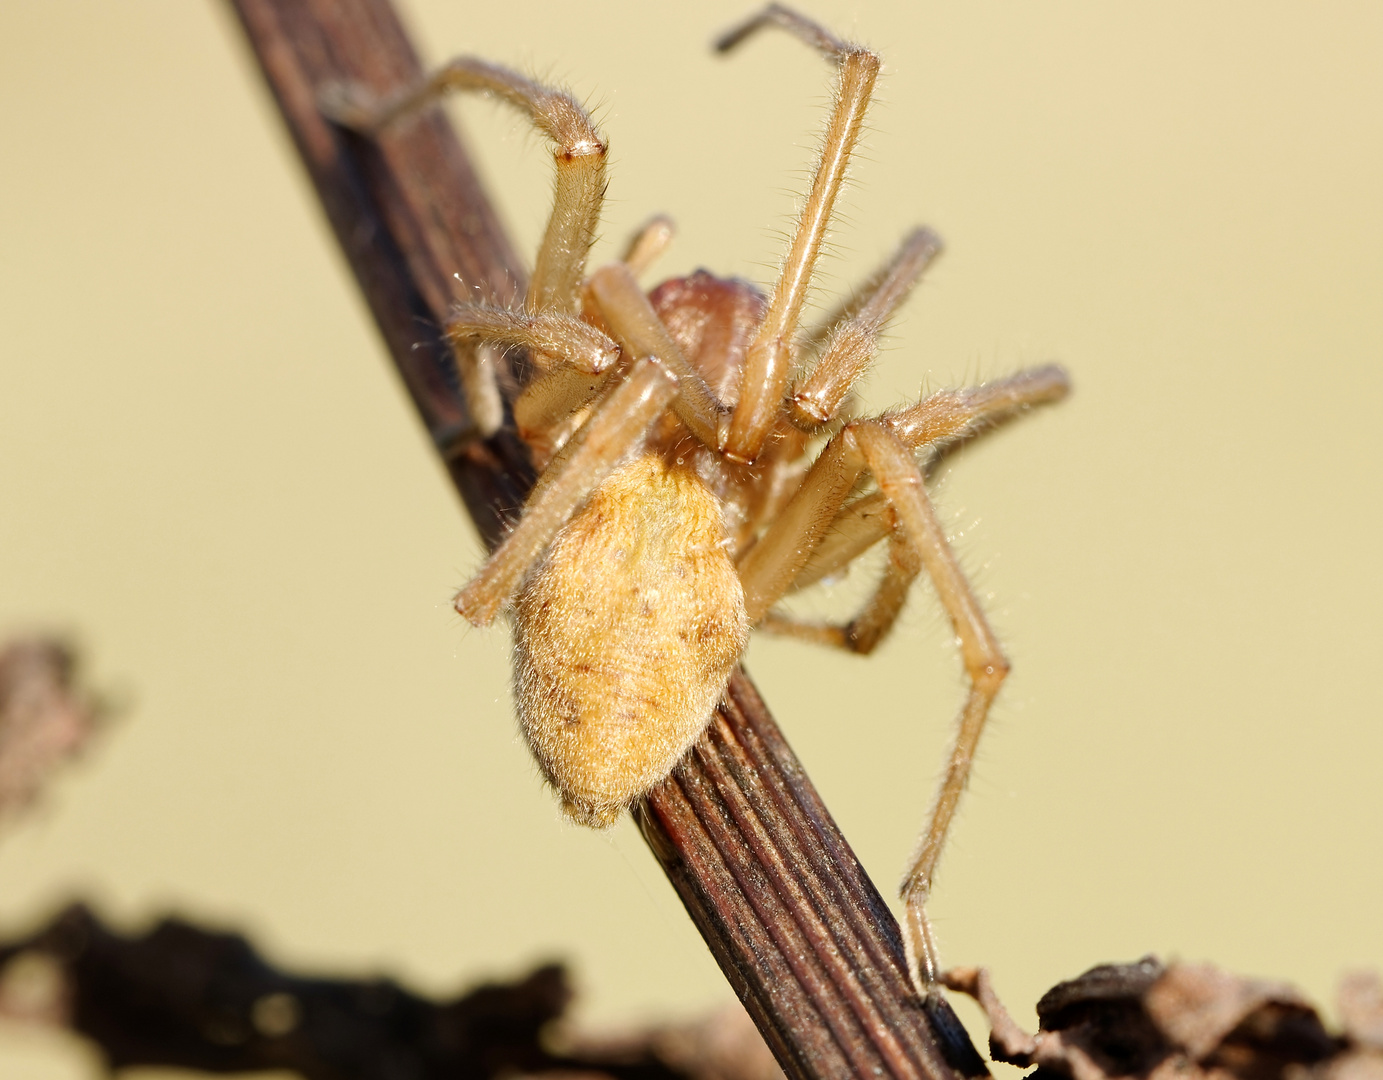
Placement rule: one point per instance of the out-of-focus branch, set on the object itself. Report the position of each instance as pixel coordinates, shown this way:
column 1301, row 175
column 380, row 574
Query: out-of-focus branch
column 796, row 925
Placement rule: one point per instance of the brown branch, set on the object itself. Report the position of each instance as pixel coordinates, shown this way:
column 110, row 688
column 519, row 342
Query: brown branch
column 796, row 925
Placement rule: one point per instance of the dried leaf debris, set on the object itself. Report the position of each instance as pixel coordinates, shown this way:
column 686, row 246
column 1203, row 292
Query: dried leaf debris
column 179, row 995
column 1184, row 1022
column 44, row 720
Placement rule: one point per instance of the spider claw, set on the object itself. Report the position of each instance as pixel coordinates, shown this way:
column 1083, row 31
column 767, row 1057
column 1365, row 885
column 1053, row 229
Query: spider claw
column 349, row 105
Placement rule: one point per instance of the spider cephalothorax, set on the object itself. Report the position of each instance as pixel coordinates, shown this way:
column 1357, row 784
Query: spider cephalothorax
column 679, row 499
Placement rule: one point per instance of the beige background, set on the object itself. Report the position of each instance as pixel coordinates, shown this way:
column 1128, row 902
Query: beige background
column 212, row 479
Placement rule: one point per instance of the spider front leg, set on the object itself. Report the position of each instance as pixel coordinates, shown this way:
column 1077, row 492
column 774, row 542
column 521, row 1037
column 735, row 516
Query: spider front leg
column 769, row 356
column 571, row 354
column 580, row 152
column 554, row 287
column 617, row 424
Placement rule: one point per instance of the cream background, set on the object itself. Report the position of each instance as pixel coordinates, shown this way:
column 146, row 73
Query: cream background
column 211, row 477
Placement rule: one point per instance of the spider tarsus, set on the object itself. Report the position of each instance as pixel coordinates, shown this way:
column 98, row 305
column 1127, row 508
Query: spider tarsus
column 795, row 23
column 649, row 243
column 351, row 106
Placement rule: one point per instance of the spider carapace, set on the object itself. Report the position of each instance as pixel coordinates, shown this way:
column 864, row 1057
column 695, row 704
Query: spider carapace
column 699, row 462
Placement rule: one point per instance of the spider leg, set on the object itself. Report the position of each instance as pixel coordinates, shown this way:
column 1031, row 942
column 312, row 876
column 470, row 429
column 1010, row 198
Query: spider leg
column 769, row 357
column 636, row 326
column 768, row 569
column 476, row 330
column 475, row 365
column 580, row 157
column 940, row 421
column 649, row 243
column 816, row 533
column 899, row 478
column 861, row 524
column 790, row 551
column 817, row 398
column 549, row 336
column 952, row 415
column 615, row 426
column 551, row 408
column 875, row 619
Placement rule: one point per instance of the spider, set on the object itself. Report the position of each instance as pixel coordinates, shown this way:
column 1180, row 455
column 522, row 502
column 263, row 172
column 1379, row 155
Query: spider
column 681, row 496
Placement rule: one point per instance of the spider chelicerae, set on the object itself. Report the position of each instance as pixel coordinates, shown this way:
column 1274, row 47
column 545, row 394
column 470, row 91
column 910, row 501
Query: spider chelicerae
column 679, row 499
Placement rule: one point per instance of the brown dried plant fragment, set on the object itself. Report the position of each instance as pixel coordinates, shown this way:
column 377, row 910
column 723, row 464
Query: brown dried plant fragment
column 1184, row 1022
column 43, row 720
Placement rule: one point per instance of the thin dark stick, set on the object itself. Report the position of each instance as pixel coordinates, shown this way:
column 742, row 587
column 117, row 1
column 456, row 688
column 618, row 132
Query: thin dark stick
column 796, row 925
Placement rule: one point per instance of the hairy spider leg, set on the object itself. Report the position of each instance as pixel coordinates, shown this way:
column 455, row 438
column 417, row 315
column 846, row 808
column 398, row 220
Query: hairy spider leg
column 817, row 398
column 768, row 568
column 769, row 358
column 476, row 367
column 872, row 623
column 885, row 448
column 580, row 156
column 615, row 428
column 899, row 478
column 554, row 287
column 633, row 321
column 550, row 408
column 771, row 565
column 550, row 337
column 940, row 422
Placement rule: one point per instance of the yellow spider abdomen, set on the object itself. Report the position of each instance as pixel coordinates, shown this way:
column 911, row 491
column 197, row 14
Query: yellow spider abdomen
column 625, row 634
